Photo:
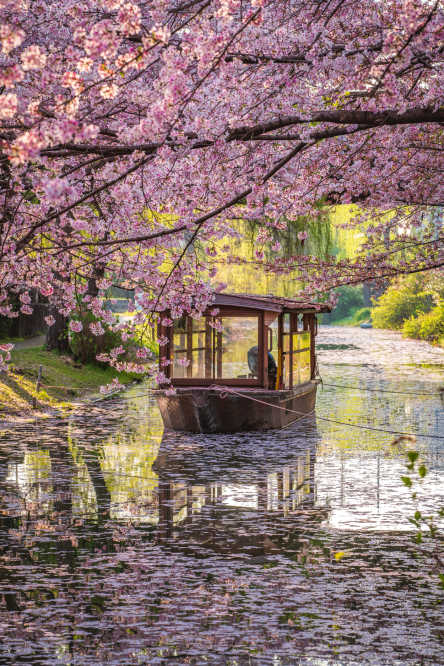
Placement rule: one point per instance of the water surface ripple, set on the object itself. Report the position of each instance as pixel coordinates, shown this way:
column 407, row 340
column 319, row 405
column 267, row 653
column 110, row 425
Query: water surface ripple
column 123, row 545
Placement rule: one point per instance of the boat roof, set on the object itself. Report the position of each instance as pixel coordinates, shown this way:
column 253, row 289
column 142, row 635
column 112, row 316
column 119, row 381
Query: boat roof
column 270, row 303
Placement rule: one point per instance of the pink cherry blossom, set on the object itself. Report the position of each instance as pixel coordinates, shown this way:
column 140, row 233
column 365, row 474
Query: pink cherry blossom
column 8, row 106
column 75, row 326
column 26, row 309
column 96, row 328
column 135, row 137
column 33, row 58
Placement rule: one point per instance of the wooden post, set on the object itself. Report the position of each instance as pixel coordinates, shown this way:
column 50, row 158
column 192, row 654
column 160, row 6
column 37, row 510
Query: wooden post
column 37, row 388
column 280, row 374
column 263, row 352
column 208, row 348
column 312, row 329
column 189, row 328
column 219, row 353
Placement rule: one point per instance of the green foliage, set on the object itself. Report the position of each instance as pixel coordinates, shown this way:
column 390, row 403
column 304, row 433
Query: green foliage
column 405, row 298
column 363, row 314
column 350, row 300
column 425, row 526
column 85, row 346
column 428, row 326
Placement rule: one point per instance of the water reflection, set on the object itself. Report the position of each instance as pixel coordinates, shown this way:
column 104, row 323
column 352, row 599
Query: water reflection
column 212, row 498
column 122, row 544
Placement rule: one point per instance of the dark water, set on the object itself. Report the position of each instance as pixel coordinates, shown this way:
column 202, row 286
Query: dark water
column 119, row 545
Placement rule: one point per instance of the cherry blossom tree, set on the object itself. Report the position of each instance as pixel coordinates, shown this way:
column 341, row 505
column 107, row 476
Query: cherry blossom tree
column 130, row 128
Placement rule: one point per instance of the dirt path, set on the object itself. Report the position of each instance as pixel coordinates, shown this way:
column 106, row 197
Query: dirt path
column 37, row 341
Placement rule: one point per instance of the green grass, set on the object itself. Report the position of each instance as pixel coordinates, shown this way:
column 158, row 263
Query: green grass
column 356, row 318
column 61, row 381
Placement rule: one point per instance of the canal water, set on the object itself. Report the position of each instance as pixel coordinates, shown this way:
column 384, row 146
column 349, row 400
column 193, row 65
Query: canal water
column 122, row 545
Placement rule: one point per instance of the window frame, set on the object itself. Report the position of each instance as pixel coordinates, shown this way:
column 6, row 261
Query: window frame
column 293, row 328
column 224, row 312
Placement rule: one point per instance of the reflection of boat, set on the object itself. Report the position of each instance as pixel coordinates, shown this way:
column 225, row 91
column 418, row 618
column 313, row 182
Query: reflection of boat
column 222, row 369
column 366, row 324
column 213, row 498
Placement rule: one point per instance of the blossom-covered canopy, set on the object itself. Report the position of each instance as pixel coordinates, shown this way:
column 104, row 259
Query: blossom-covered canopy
column 129, row 128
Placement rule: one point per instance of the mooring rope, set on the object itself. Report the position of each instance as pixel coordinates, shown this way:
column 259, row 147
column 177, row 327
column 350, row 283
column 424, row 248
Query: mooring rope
column 363, row 388
column 226, row 389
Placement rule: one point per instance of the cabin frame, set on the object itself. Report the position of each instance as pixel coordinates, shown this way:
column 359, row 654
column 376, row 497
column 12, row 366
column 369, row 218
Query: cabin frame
column 293, row 317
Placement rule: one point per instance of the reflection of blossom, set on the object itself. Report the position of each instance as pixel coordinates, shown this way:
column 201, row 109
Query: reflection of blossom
column 183, row 361
column 113, row 386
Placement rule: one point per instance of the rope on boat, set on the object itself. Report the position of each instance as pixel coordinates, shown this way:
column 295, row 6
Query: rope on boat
column 363, row 388
column 226, row 389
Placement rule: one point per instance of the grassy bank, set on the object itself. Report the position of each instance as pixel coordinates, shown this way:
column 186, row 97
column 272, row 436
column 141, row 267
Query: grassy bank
column 355, row 318
column 63, row 382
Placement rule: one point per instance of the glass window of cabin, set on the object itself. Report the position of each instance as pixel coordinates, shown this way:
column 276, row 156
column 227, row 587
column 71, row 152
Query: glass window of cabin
column 236, row 348
column 189, row 351
column 179, row 352
column 301, row 358
column 286, row 351
column 296, row 354
column 215, row 348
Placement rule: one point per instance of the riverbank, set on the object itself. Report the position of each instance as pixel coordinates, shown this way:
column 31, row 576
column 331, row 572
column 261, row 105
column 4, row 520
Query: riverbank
column 365, row 314
column 63, row 383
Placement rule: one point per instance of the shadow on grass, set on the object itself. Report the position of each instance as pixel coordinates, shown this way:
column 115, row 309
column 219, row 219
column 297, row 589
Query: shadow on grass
column 10, row 383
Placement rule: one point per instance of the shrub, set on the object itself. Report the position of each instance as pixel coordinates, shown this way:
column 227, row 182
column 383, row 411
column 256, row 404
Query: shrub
column 349, row 299
column 363, row 314
column 428, row 326
column 85, row 346
column 404, row 299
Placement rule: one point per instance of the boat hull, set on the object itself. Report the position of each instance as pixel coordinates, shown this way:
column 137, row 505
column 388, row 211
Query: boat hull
column 210, row 410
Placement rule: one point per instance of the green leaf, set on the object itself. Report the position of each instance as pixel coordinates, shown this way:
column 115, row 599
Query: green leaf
column 406, row 481
column 413, row 456
column 422, row 471
column 30, row 195
column 417, row 515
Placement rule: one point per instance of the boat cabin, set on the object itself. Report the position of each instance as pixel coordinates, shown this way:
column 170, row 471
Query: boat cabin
column 262, row 342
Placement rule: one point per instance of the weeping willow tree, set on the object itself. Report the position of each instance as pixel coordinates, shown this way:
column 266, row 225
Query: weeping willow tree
column 244, row 273
column 320, row 240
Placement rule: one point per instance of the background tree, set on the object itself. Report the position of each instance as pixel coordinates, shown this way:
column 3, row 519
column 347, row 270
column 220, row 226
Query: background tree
column 180, row 116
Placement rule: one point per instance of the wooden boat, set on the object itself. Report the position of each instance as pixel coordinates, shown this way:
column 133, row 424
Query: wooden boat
column 220, row 366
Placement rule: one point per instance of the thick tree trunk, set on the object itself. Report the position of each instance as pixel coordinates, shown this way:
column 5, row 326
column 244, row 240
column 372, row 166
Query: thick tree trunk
column 57, row 335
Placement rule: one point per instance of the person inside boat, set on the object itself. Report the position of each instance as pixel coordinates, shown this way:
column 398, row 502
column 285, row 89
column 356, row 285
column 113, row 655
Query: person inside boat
column 253, row 365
